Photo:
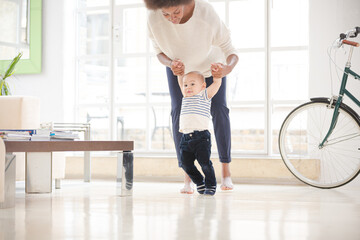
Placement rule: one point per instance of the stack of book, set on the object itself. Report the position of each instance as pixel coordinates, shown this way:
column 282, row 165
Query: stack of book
column 41, row 135
column 63, row 135
column 16, row 135
column 37, row 135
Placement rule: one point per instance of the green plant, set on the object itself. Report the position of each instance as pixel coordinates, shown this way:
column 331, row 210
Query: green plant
column 4, row 86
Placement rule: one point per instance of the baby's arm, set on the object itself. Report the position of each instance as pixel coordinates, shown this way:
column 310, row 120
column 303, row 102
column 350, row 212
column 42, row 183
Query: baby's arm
column 215, row 86
column 180, row 81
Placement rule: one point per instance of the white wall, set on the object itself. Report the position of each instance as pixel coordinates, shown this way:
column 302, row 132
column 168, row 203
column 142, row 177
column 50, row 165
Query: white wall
column 48, row 85
column 329, row 18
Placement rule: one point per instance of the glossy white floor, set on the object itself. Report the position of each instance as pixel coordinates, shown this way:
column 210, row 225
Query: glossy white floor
column 157, row 211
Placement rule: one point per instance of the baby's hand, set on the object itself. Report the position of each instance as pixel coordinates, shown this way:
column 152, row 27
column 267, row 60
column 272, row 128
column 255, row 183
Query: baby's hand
column 217, row 70
column 178, row 67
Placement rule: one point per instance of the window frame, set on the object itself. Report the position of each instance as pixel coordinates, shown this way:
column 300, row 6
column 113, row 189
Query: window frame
column 268, row 102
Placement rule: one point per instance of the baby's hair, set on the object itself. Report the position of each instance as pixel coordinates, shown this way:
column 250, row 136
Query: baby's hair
column 198, row 74
column 157, row 4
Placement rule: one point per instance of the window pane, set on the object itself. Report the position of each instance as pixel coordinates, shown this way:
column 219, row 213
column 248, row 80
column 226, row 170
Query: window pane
column 133, row 125
column 93, row 32
column 93, row 81
column 279, row 114
column 160, row 119
column 93, row 3
column 130, row 80
column 289, row 75
column 248, row 128
column 98, row 117
column 159, row 87
column 134, row 35
column 247, row 23
column 247, row 81
column 160, row 125
column 289, row 23
column 124, row 2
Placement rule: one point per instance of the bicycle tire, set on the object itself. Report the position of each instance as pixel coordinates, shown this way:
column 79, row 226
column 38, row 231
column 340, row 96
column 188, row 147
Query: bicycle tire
column 338, row 161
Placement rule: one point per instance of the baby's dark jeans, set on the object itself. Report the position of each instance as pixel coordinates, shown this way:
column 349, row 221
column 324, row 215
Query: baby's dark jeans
column 197, row 145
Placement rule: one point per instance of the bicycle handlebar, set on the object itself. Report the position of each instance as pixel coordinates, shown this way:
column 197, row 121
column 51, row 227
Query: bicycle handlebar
column 351, row 43
column 349, row 34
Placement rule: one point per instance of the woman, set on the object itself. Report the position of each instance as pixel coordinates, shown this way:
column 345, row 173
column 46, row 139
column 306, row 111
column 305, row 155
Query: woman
column 190, row 33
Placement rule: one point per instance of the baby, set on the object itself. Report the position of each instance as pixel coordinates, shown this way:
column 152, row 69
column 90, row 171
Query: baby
column 194, row 123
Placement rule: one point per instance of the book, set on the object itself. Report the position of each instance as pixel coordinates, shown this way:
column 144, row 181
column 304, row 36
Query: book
column 19, row 131
column 17, row 137
column 63, row 135
column 39, row 137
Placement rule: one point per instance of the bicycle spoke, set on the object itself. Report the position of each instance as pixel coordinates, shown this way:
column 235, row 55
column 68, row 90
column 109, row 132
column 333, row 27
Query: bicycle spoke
column 338, row 164
column 345, row 166
column 316, row 123
column 347, row 128
column 346, row 138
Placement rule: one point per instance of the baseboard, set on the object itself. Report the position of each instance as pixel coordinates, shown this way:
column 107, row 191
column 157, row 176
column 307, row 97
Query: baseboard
column 166, row 169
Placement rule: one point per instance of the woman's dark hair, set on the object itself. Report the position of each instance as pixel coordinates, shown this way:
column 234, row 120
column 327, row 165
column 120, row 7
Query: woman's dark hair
column 156, row 4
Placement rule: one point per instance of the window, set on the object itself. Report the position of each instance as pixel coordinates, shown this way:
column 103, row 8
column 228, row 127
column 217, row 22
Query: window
column 122, row 88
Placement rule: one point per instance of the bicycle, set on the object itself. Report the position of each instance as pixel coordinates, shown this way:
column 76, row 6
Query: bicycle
column 319, row 141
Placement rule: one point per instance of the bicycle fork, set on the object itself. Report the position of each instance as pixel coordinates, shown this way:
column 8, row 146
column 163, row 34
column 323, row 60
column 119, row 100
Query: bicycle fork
column 338, row 99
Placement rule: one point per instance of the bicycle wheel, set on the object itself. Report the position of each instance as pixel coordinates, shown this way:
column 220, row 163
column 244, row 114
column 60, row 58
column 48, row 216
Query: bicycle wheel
column 333, row 165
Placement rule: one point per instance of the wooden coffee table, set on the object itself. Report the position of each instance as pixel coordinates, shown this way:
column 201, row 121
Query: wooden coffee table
column 38, row 172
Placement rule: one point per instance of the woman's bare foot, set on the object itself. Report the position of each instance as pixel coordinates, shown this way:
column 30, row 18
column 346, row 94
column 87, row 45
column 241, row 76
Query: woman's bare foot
column 226, row 183
column 188, row 186
column 187, row 189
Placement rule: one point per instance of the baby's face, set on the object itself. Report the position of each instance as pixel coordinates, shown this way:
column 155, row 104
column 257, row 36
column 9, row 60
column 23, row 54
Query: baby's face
column 193, row 84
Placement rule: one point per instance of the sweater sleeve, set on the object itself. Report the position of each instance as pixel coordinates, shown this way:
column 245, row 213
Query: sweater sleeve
column 222, row 36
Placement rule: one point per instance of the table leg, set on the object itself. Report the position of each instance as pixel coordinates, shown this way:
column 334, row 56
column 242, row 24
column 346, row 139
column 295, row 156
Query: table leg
column 38, row 174
column 10, row 178
column 87, row 167
column 124, row 179
column 57, row 183
column 87, row 158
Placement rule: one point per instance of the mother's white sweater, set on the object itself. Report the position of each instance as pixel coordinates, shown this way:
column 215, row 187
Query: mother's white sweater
column 202, row 40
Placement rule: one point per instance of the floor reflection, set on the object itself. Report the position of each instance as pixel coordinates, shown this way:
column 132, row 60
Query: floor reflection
column 157, row 211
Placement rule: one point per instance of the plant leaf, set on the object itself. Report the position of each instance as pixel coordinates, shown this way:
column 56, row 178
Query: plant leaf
column 7, row 89
column 1, row 87
column 12, row 65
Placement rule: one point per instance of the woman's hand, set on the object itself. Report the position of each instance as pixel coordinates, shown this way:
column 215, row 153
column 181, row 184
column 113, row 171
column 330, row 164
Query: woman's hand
column 177, row 67
column 219, row 70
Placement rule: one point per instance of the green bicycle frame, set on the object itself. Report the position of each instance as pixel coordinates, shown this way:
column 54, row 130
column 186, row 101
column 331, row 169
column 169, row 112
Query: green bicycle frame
column 343, row 91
